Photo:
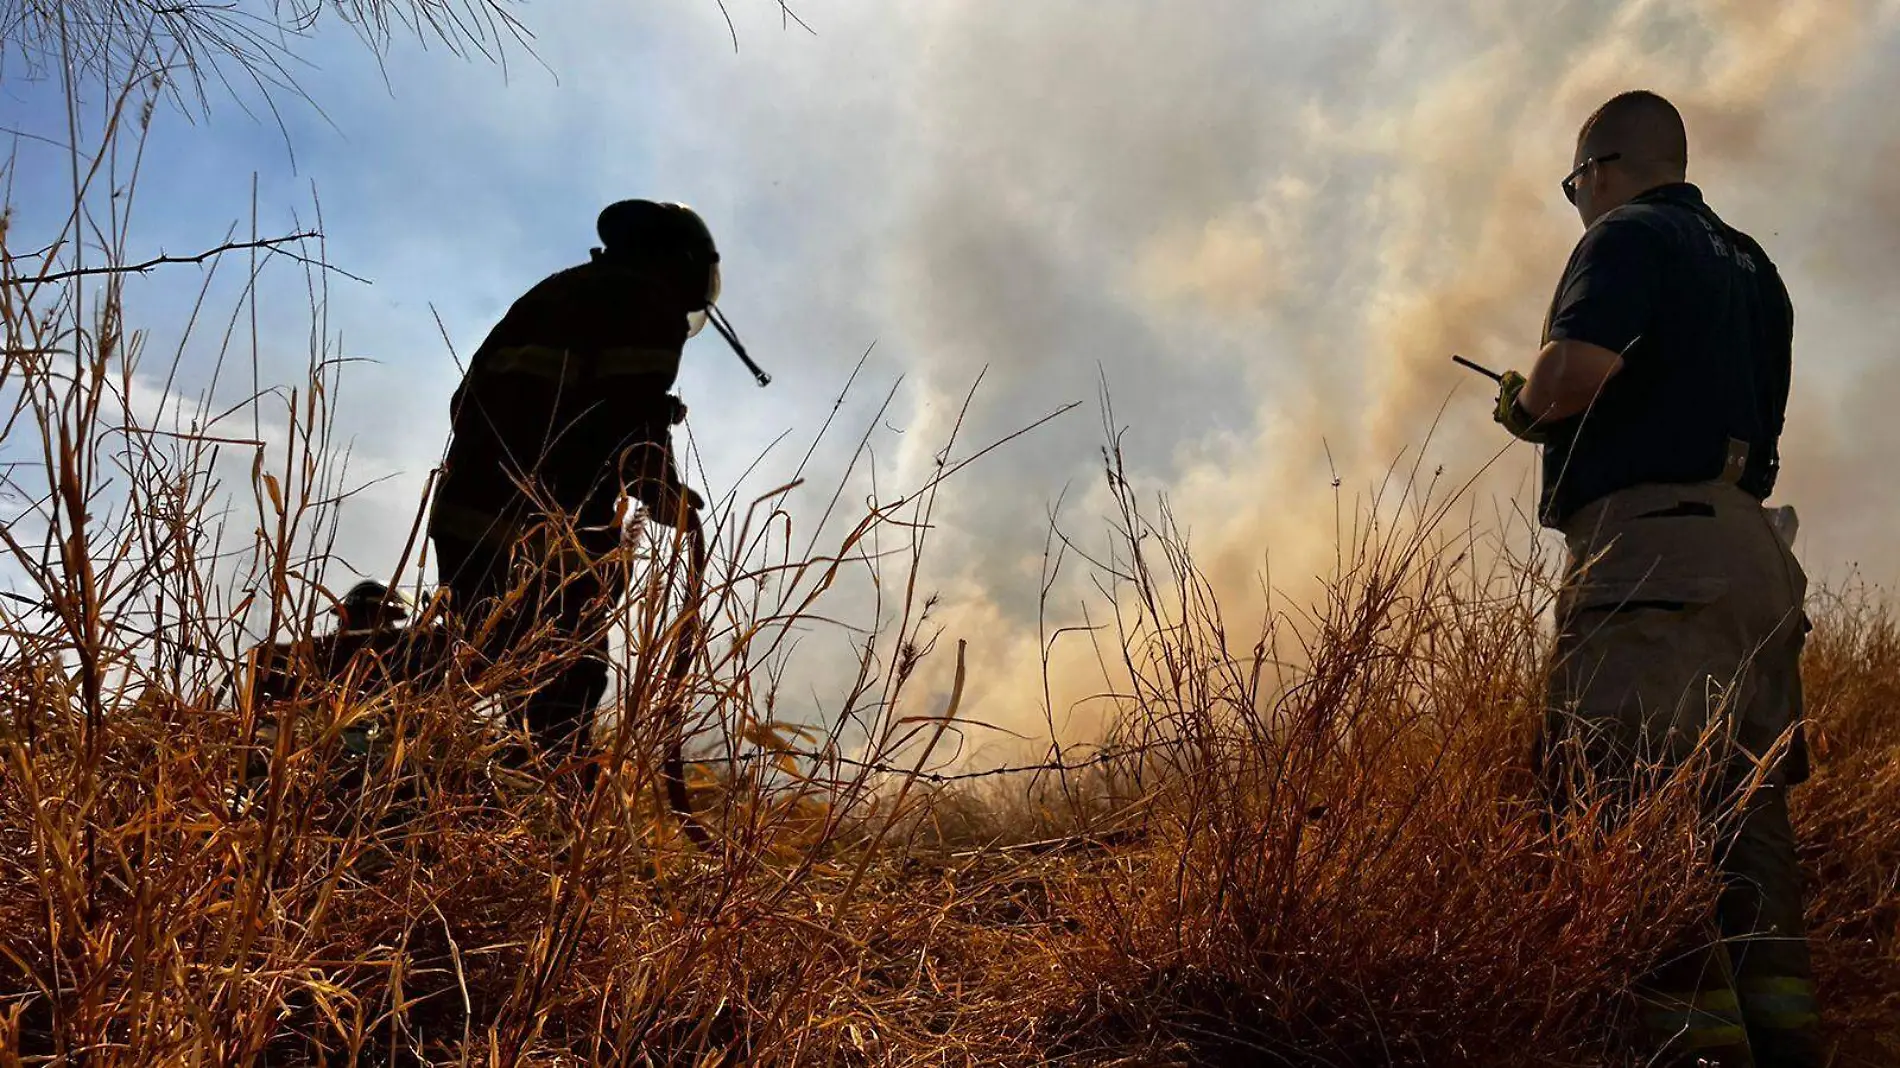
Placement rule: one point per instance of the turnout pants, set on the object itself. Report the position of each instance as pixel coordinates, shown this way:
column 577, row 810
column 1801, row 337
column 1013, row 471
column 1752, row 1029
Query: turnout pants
column 506, row 590
column 1681, row 614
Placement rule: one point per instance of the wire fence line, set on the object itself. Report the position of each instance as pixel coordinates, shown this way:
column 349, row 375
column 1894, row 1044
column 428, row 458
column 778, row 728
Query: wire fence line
column 1106, row 756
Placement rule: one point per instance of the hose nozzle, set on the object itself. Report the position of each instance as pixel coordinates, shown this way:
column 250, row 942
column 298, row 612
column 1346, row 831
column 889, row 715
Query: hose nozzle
column 718, row 319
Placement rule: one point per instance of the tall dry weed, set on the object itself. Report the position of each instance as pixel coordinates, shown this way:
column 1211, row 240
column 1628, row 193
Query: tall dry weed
column 1845, row 818
column 1344, row 861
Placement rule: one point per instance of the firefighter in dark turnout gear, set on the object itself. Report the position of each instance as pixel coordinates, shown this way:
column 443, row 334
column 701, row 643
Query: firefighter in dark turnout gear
column 1659, row 398
column 563, row 416
column 370, row 649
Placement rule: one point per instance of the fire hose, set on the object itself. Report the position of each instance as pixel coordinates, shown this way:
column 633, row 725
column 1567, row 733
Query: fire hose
column 689, row 636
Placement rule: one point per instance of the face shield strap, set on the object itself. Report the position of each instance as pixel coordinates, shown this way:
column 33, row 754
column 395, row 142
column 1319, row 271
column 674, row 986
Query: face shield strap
column 718, row 319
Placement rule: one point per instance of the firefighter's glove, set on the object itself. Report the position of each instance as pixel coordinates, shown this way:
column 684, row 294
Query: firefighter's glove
column 1511, row 415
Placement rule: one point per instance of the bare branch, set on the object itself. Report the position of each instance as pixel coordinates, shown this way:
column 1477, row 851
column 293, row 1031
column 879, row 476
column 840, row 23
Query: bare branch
column 269, row 243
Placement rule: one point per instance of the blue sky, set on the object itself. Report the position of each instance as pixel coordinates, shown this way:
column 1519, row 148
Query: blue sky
column 1265, row 226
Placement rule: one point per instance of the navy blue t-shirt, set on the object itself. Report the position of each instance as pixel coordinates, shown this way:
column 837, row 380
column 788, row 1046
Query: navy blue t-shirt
column 1705, row 328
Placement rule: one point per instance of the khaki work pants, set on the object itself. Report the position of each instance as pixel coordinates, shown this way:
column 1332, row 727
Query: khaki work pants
column 1681, row 614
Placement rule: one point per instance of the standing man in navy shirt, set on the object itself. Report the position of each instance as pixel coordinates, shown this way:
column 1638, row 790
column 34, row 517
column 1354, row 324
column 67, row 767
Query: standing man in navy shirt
column 1658, row 398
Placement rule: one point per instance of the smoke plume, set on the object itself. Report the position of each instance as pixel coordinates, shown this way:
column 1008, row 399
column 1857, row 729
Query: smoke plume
column 1267, row 231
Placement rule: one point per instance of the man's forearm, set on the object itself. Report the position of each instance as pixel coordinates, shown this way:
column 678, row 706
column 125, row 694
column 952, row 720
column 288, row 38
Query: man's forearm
column 1566, row 379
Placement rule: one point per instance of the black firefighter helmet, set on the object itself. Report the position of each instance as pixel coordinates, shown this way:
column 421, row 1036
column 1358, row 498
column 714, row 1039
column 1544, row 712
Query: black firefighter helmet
column 370, row 604
column 675, row 235
column 670, row 233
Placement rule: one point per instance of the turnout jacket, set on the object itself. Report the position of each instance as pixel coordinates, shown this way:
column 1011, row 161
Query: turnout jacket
column 565, row 405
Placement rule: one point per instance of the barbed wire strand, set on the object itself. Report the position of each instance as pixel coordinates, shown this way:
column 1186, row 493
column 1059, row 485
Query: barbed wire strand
column 1106, row 756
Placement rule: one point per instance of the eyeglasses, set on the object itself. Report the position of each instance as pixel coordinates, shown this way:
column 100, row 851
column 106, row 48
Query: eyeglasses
column 1570, row 180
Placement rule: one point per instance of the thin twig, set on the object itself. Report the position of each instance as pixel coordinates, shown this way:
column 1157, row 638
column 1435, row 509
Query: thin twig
column 268, row 243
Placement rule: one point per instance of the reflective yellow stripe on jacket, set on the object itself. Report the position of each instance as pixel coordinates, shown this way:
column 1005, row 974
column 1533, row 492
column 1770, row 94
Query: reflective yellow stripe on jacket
column 532, row 534
column 565, row 365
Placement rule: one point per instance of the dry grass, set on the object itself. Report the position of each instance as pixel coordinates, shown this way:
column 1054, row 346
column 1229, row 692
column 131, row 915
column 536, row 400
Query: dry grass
column 1849, row 835
column 1335, row 864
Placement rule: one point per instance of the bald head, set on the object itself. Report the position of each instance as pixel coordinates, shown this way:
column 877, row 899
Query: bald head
column 1645, row 129
column 1633, row 144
